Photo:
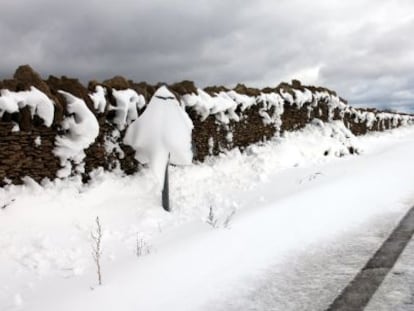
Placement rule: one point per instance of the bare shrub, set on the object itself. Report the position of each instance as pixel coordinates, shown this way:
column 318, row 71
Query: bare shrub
column 221, row 221
column 142, row 246
column 212, row 218
column 96, row 237
column 228, row 219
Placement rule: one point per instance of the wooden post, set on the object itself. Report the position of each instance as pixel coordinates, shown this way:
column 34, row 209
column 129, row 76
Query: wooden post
column 165, row 189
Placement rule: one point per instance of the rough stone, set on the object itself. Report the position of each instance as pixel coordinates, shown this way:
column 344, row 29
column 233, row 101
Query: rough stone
column 117, row 83
column 213, row 90
column 183, row 87
column 249, row 91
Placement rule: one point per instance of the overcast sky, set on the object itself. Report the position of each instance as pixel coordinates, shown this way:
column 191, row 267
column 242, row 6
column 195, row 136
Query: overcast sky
column 363, row 49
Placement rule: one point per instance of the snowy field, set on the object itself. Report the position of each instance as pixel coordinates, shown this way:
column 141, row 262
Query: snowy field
column 269, row 229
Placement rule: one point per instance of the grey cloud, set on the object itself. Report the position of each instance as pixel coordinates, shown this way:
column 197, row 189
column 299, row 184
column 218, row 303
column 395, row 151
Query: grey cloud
column 375, row 68
column 362, row 49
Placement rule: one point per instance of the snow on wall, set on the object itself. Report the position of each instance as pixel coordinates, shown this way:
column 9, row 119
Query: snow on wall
column 279, row 111
column 222, row 120
column 242, row 100
column 81, row 129
column 222, row 105
column 7, row 103
column 99, row 99
column 302, row 97
column 270, row 101
column 37, row 101
column 128, row 102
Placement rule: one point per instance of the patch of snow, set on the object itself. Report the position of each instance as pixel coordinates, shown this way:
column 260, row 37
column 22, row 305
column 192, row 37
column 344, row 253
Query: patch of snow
column 112, row 144
column 81, row 128
column 210, row 145
column 370, row 118
column 15, row 128
column 407, row 120
column 99, row 99
column 162, row 131
column 395, row 119
column 37, row 101
column 128, row 101
column 7, row 103
column 302, row 98
column 287, row 96
column 244, row 101
column 221, row 105
column 38, row 141
column 271, row 101
column 334, row 102
column 229, row 137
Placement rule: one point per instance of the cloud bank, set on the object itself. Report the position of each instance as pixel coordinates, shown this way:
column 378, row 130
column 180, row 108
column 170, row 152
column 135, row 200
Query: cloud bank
column 362, row 49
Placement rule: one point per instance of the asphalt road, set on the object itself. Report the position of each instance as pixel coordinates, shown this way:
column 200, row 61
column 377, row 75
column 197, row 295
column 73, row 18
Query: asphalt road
column 344, row 273
column 361, row 289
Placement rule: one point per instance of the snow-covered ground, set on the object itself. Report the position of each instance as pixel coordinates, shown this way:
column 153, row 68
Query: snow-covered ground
column 287, row 219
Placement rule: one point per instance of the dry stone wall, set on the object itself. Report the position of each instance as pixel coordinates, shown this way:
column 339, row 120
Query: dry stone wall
column 223, row 119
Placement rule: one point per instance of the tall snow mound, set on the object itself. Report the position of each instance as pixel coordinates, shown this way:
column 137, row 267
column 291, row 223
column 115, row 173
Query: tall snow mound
column 38, row 102
column 128, row 101
column 98, row 98
column 163, row 129
column 82, row 129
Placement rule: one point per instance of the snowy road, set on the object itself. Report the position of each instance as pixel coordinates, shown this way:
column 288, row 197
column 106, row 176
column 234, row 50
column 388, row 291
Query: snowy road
column 313, row 278
column 304, row 226
column 397, row 290
column 360, row 290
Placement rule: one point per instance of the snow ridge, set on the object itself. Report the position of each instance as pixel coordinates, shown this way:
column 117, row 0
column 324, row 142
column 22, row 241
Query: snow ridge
column 37, row 101
column 126, row 110
column 81, row 128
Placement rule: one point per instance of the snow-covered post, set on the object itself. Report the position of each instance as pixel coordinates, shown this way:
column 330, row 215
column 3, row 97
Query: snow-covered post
column 162, row 135
column 166, row 189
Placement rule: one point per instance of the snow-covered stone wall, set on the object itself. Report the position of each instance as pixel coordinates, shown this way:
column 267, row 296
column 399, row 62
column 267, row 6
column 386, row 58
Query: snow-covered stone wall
column 56, row 128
